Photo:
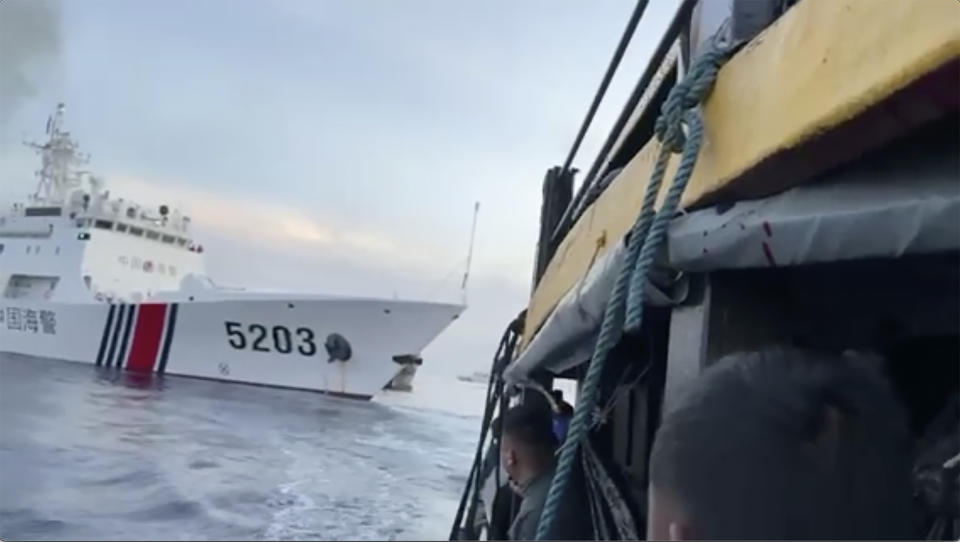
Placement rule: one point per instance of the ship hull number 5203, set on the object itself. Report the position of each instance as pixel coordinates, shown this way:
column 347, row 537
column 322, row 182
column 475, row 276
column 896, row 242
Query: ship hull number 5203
column 261, row 338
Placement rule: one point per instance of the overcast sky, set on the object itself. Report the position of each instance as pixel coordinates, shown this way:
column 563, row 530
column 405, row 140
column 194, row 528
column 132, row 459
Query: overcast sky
column 329, row 146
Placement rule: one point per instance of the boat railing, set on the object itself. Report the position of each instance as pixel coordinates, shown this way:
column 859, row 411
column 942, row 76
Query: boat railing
column 674, row 31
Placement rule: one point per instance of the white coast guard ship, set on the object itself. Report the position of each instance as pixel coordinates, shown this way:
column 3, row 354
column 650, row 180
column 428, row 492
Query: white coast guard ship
column 88, row 277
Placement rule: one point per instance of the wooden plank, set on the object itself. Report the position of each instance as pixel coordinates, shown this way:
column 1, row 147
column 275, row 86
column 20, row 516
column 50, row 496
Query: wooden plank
column 817, row 69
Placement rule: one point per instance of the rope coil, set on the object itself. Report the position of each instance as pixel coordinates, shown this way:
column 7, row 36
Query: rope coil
column 624, row 309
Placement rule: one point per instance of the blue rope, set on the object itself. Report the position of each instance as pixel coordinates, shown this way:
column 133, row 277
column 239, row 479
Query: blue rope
column 624, row 309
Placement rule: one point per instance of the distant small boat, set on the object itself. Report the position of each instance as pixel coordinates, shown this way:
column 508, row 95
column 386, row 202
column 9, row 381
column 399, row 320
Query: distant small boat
column 479, row 377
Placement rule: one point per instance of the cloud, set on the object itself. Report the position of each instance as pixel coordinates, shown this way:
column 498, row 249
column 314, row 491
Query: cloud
column 303, row 229
column 278, row 228
column 30, row 42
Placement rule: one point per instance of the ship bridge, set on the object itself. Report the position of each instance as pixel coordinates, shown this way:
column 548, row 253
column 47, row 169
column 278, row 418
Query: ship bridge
column 73, row 241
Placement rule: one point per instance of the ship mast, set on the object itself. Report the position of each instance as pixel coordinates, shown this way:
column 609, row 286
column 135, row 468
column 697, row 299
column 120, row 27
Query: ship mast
column 59, row 158
column 473, row 233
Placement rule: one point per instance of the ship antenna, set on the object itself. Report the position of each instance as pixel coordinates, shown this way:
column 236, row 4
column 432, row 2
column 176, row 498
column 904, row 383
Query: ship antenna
column 473, row 234
column 59, row 157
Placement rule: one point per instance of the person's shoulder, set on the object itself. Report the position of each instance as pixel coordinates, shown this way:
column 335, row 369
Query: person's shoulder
column 525, row 525
column 537, row 492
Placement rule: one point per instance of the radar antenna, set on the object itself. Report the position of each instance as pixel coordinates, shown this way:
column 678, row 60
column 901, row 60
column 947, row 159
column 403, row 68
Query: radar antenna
column 59, row 158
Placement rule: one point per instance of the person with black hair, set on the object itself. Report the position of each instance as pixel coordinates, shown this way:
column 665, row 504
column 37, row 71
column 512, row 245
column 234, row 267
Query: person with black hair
column 506, row 503
column 527, row 450
column 562, row 416
column 783, row 445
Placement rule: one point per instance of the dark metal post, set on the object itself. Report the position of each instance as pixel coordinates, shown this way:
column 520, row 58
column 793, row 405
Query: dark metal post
column 607, row 77
column 680, row 20
column 557, row 192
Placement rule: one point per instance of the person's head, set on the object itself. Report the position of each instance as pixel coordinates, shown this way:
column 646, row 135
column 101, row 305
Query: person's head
column 781, row 445
column 527, row 442
column 557, row 396
column 563, row 408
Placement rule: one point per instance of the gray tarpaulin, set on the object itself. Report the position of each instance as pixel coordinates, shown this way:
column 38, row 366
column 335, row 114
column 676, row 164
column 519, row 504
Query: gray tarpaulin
column 568, row 335
column 886, row 206
column 565, row 338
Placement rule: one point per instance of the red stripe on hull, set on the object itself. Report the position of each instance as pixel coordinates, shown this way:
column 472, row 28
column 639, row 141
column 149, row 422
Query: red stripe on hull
column 146, row 337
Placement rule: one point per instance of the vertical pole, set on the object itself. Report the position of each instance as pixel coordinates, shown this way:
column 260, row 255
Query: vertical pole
column 557, row 193
column 473, row 234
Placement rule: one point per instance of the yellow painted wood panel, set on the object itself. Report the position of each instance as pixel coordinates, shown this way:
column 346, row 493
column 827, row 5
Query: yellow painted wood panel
column 821, row 64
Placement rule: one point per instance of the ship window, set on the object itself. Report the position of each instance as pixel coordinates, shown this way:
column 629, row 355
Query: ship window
column 80, row 222
column 103, row 224
column 167, row 239
column 28, row 249
column 152, row 235
column 42, row 211
column 136, row 231
column 121, row 227
column 181, row 241
column 1, row 248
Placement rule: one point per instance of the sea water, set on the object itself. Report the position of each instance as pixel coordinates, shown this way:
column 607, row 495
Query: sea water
column 97, row 454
